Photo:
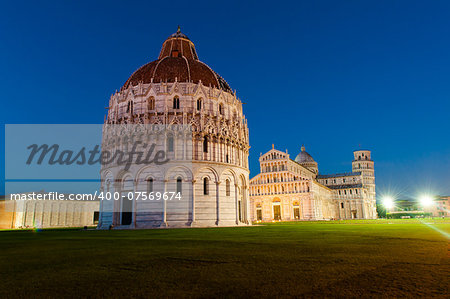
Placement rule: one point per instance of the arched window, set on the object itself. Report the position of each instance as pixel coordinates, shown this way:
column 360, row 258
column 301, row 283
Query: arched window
column 179, row 185
column 199, row 104
column 151, row 103
column 205, row 144
column 150, row 185
column 176, row 103
column 170, row 143
column 227, row 187
column 205, row 186
column 220, row 109
column 130, row 107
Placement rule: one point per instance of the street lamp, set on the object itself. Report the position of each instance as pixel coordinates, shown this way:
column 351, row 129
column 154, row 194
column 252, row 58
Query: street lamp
column 426, row 200
column 388, row 203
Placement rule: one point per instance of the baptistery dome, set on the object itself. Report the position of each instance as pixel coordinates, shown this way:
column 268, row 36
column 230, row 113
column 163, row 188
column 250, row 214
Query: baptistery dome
column 177, row 61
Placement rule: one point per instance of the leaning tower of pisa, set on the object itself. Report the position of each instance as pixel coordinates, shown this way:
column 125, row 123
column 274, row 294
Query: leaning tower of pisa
column 362, row 162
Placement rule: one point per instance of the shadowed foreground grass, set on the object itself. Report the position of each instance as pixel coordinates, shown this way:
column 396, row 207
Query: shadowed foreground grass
column 283, row 259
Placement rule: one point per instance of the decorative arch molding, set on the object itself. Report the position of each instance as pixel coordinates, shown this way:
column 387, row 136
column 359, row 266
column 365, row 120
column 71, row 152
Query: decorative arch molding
column 229, row 171
column 127, row 183
column 147, row 171
column 243, row 181
column 214, row 177
column 174, row 172
column 107, row 176
column 121, row 175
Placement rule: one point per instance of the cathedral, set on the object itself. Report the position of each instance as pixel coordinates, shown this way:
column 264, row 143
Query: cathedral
column 208, row 162
column 287, row 189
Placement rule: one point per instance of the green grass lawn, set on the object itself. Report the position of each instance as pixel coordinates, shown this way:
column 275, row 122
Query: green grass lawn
column 306, row 259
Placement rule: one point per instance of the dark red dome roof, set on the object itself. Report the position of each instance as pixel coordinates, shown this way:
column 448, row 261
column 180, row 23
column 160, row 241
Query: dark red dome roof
column 177, row 60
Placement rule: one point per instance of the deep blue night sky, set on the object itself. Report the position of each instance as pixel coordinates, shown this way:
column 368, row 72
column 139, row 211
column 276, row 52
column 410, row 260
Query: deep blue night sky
column 332, row 75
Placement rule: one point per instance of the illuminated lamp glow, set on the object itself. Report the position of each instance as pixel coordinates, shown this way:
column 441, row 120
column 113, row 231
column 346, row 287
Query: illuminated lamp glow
column 426, row 200
column 388, row 202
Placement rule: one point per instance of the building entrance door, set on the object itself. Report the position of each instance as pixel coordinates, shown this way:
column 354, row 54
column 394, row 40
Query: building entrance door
column 127, row 206
column 277, row 212
column 258, row 214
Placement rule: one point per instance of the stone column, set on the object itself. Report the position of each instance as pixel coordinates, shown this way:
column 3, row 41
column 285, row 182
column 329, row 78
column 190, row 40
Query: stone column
column 363, row 206
column 218, row 202
column 236, row 195
column 134, row 211
column 247, row 205
column 193, row 204
column 164, row 206
column 185, row 147
column 100, row 210
column 220, row 159
column 346, row 207
column 51, row 214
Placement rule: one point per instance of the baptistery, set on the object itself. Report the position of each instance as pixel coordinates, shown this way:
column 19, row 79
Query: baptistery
column 189, row 113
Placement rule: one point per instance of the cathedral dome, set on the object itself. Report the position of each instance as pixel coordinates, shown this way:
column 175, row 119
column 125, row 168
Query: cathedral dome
column 304, row 157
column 177, row 61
